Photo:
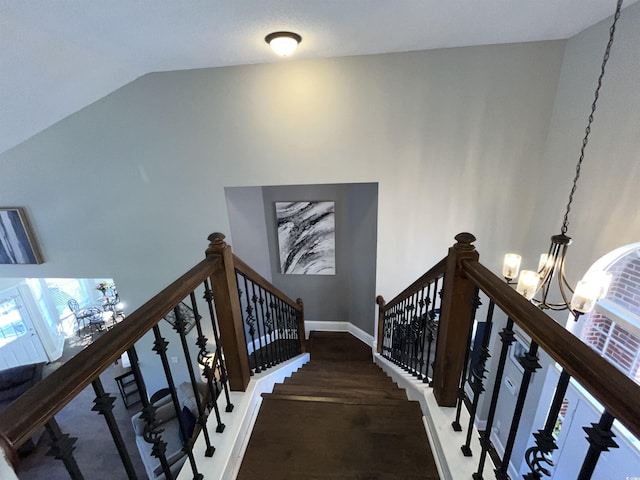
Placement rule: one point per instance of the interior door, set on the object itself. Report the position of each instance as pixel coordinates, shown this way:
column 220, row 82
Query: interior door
column 19, row 341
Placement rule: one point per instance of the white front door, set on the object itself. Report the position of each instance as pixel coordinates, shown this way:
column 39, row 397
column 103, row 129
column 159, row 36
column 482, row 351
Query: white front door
column 19, row 341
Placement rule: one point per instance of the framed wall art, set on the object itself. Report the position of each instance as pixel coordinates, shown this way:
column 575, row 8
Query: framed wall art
column 306, row 237
column 17, row 242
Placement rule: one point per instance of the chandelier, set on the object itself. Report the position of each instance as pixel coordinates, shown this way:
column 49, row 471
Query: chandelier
column 535, row 285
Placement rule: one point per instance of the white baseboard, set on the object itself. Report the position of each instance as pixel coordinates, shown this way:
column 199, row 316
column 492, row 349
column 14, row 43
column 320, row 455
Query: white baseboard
column 357, row 332
column 231, row 444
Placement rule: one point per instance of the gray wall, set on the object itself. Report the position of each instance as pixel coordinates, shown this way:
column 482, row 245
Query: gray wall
column 130, row 186
column 349, row 295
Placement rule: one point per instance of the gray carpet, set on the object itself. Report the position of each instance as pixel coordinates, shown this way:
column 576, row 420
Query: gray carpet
column 95, row 452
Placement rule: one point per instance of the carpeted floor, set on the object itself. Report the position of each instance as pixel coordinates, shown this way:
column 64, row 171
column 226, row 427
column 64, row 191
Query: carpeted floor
column 94, row 451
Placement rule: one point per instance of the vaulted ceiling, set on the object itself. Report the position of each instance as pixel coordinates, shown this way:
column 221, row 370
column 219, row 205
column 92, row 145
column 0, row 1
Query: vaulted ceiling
column 59, row 56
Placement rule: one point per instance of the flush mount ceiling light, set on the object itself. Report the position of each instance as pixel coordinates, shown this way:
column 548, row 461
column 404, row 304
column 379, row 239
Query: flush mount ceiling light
column 592, row 287
column 283, row 43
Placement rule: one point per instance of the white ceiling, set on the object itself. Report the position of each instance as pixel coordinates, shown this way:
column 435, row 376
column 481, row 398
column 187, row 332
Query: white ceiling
column 57, row 56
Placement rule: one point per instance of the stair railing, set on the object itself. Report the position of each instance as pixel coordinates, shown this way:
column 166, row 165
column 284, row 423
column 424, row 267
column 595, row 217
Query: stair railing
column 461, row 375
column 206, row 297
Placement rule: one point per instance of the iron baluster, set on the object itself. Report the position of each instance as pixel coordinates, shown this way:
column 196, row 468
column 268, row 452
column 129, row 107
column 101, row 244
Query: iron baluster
column 260, row 352
column 507, row 338
column 250, row 321
column 62, row 447
column 477, row 383
column 428, row 334
column 180, row 328
column 103, row 404
column 208, row 370
column 152, row 432
column 475, row 303
column 160, row 347
column 530, row 364
column 276, row 328
column 538, row 457
column 434, row 327
column 268, row 328
column 600, row 439
column 422, row 334
column 208, row 296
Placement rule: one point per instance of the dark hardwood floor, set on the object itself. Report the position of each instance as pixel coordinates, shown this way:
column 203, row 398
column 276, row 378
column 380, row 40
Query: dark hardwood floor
column 338, row 417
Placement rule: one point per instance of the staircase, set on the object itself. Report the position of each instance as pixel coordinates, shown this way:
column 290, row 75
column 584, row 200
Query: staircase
column 338, row 417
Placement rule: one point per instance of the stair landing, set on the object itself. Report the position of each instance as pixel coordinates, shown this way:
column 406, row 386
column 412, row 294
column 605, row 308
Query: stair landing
column 338, row 417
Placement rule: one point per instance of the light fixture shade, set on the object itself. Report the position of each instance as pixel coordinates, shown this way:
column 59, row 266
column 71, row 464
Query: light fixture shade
column 528, row 283
column 511, row 265
column 283, row 43
column 599, row 280
column 585, row 296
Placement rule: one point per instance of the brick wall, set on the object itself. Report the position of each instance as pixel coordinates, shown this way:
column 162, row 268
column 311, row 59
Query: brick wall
column 615, row 343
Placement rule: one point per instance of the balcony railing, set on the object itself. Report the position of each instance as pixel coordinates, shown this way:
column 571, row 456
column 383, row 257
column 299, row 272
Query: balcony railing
column 466, row 373
column 206, row 301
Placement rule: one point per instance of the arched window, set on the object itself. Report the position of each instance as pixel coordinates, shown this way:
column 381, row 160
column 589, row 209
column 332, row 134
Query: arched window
column 613, row 327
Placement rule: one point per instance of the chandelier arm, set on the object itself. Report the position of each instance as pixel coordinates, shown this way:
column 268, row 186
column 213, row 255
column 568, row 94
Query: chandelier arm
column 585, row 140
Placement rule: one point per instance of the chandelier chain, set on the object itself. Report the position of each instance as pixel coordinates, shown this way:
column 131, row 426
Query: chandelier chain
column 585, row 140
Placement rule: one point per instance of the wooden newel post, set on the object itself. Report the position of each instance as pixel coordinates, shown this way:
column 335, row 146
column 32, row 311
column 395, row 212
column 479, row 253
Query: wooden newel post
column 381, row 303
column 229, row 312
column 455, row 322
column 301, row 331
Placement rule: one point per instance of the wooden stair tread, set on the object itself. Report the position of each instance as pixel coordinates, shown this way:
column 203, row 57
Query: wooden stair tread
column 331, row 391
column 338, row 417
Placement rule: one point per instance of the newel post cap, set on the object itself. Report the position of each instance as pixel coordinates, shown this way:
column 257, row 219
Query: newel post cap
column 464, row 242
column 216, row 243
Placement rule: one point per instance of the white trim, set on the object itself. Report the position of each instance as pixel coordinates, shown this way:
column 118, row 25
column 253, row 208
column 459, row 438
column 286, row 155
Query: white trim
column 445, row 442
column 232, row 443
column 357, row 332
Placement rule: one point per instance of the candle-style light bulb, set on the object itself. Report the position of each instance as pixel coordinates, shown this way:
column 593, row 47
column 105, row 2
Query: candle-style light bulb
column 511, row 265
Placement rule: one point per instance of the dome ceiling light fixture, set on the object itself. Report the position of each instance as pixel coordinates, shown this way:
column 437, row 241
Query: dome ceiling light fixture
column 594, row 285
column 283, row 43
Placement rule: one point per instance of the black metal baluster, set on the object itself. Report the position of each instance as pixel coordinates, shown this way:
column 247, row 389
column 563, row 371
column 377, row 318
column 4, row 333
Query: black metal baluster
column 293, row 328
column 103, row 404
column 160, row 347
column 600, row 439
column 422, row 334
column 62, row 447
column 386, row 341
column 477, row 383
column 415, row 334
column 277, row 334
column 208, row 296
column 152, row 432
column 475, row 303
column 250, row 321
column 260, row 353
column 507, row 338
column 539, row 456
column 268, row 328
column 180, row 329
column 433, row 321
column 293, row 315
column 208, row 370
column 282, row 313
column 530, row 364
column 427, row 341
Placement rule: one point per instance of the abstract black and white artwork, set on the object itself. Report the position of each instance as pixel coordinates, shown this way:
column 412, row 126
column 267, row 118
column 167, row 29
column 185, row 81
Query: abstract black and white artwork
column 17, row 244
column 306, row 237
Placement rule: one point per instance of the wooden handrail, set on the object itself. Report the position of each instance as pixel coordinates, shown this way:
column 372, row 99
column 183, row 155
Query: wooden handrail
column 437, row 271
column 22, row 418
column 613, row 389
column 258, row 279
